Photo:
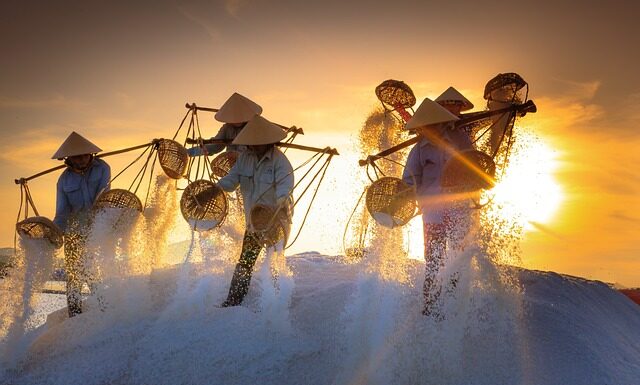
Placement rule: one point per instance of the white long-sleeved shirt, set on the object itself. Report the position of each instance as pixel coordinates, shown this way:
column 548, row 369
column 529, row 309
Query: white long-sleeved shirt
column 262, row 181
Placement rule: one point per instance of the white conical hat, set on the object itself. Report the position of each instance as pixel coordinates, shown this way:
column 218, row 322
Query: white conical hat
column 451, row 95
column 237, row 109
column 429, row 113
column 259, row 131
column 74, row 145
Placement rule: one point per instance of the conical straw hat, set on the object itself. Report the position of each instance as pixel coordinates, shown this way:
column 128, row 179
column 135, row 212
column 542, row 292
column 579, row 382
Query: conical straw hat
column 429, row 113
column 74, row 145
column 453, row 96
column 237, row 109
column 259, row 131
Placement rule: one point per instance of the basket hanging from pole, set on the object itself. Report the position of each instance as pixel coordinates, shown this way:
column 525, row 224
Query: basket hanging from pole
column 203, row 205
column 469, row 171
column 118, row 199
column 391, row 202
column 173, row 158
column 505, row 88
column 222, row 164
column 40, row 228
column 272, row 227
column 395, row 94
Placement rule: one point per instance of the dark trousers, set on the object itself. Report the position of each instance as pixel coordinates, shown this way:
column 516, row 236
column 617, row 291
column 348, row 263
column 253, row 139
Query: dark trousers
column 242, row 275
column 435, row 243
column 74, row 254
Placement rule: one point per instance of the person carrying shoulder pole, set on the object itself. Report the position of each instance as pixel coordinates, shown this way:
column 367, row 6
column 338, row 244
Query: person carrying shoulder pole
column 234, row 113
column 425, row 163
column 453, row 101
column 265, row 177
column 78, row 187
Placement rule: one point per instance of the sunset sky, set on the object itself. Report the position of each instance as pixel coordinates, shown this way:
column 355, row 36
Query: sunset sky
column 120, row 72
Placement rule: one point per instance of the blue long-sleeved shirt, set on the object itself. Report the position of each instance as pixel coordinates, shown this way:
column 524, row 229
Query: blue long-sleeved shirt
column 226, row 132
column 424, row 171
column 76, row 192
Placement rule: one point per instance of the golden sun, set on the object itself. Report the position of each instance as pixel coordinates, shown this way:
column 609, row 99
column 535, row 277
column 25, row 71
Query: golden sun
column 528, row 192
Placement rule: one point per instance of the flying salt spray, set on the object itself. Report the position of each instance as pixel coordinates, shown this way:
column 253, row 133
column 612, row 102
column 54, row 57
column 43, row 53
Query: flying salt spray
column 371, row 314
column 33, row 267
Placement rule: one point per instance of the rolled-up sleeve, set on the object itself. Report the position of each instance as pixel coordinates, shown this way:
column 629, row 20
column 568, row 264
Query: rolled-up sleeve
column 231, row 181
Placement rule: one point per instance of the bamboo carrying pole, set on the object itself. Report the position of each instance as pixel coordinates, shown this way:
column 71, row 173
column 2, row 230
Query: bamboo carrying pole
column 194, row 107
column 25, row 180
column 522, row 109
column 327, row 150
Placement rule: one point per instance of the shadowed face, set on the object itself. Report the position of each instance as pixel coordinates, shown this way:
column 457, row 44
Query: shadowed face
column 430, row 131
column 79, row 162
column 260, row 150
column 454, row 108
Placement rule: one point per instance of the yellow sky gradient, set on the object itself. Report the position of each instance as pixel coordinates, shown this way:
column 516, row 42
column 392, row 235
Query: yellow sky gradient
column 120, row 74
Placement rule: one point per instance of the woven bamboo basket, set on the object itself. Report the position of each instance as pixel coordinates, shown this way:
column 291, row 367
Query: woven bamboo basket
column 41, row 228
column 118, row 199
column 505, row 87
column 272, row 227
column 391, row 202
column 203, row 205
column 173, row 158
column 221, row 164
column 470, row 171
column 396, row 94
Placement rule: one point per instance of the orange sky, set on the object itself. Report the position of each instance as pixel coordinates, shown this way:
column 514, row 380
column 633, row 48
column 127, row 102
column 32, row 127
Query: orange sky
column 121, row 73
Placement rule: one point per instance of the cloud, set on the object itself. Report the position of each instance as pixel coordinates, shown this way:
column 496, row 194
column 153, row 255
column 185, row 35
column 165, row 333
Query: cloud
column 233, row 7
column 213, row 32
column 579, row 90
column 57, row 101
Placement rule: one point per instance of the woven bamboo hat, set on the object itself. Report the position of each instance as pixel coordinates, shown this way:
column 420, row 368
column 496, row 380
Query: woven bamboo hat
column 429, row 113
column 74, row 145
column 237, row 109
column 259, row 131
column 453, row 96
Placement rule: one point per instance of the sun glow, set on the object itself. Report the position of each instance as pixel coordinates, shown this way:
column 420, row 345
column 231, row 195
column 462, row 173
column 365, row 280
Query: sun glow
column 528, row 191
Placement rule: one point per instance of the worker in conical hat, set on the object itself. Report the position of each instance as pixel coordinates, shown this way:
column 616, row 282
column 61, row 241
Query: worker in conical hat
column 425, row 163
column 234, row 113
column 77, row 189
column 265, row 177
column 452, row 100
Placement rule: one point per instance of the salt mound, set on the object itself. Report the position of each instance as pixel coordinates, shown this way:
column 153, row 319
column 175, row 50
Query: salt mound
column 346, row 326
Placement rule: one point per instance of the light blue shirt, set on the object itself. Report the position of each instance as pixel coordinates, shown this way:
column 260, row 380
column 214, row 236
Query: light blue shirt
column 226, row 132
column 76, row 192
column 262, row 181
column 424, row 171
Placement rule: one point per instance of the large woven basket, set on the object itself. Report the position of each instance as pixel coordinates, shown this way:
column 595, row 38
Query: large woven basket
column 118, row 199
column 203, row 205
column 396, row 94
column 470, row 171
column 221, row 164
column 173, row 158
column 391, row 202
column 41, row 228
column 504, row 88
column 271, row 227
